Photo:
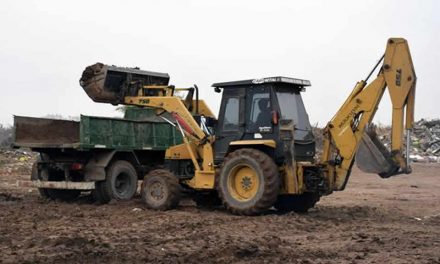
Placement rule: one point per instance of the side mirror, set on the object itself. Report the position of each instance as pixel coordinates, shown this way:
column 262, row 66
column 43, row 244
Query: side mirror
column 217, row 90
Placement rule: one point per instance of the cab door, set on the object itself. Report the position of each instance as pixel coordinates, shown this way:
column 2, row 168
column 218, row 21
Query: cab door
column 231, row 123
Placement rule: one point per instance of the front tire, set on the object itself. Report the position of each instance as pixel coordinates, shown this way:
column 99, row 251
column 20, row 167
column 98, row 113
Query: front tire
column 161, row 190
column 248, row 183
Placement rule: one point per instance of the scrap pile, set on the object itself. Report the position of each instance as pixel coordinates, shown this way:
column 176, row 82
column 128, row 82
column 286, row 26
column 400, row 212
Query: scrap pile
column 426, row 141
column 16, row 161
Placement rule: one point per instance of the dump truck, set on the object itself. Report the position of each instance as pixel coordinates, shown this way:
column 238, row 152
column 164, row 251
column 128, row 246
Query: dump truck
column 259, row 152
column 101, row 155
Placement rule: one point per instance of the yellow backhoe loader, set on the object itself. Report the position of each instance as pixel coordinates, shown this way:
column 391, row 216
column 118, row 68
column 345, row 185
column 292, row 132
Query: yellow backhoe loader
column 259, row 152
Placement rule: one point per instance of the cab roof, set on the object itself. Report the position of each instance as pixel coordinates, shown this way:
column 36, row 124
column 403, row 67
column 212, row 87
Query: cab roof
column 278, row 79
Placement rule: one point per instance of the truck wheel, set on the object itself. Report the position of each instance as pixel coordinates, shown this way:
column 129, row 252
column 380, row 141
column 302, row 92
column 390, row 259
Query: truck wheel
column 120, row 182
column 161, row 190
column 297, row 203
column 34, row 176
column 248, row 183
column 99, row 194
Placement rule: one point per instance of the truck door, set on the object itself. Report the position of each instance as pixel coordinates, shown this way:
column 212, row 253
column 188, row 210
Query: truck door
column 231, row 120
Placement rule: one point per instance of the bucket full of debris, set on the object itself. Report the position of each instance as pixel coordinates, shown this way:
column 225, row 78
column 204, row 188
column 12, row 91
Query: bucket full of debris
column 110, row 84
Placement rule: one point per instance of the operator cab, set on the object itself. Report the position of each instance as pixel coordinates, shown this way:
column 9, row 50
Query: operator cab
column 259, row 109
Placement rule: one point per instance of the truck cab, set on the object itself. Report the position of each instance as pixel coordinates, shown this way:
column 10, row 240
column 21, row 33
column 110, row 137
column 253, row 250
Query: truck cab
column 263, row 111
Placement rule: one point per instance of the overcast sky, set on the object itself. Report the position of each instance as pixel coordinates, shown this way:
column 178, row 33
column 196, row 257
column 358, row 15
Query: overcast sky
column 45, row 45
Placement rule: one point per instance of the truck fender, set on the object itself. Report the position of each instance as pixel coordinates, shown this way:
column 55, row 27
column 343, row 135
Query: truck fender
column 95, row 168
column 265, row 145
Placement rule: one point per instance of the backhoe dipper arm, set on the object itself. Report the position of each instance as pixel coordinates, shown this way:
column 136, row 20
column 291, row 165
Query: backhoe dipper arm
column 344, row 133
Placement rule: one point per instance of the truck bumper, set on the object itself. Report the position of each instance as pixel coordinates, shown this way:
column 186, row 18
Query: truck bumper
column 58, row 185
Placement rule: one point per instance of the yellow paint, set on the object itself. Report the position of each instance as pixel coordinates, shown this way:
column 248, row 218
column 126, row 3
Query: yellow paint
column 203, row 109
column 179, row 152
column 340, row 139
column 243, row 183
column 191, row 148
column 267, row 142
column 202, row 180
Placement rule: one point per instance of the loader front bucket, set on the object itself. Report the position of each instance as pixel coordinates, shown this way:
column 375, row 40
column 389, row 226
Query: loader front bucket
column 373, row 157
column 110, row 84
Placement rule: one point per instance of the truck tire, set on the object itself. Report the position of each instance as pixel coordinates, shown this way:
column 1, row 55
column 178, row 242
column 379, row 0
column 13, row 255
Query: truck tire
column 248, row 183
column 120, row 183
column 297, row 203
column 99, row 194
column 53, row 194
column 161, row 190
column 34, row 176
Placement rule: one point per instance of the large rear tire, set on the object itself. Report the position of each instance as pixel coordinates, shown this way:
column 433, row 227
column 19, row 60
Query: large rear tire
column 161, row 190
column 248, row 183
column 297, row 203
column 120, row 183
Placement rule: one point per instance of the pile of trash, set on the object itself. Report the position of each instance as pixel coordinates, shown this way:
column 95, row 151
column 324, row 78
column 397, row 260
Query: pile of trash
column 16, row 161
column 425, row 139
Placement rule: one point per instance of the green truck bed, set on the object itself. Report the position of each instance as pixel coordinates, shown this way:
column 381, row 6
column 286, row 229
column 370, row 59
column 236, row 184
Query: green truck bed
column 140, row 129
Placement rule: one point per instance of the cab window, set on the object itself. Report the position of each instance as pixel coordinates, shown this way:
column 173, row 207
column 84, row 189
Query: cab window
column 260, row 109
column 231, row 119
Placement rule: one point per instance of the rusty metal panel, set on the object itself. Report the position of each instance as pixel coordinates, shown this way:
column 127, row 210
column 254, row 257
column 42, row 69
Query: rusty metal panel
column 42, row 131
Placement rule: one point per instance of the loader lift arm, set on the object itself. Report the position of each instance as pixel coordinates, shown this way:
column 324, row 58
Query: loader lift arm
column 197, row 142
column 347, row 129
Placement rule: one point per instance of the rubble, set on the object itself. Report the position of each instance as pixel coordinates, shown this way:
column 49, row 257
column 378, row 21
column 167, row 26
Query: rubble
column 16, row 161
column 425, row 139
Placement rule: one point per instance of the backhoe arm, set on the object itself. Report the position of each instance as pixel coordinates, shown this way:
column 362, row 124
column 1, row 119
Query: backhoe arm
column 346, row 131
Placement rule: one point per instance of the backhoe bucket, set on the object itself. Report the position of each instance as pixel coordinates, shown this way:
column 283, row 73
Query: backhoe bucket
column 110, row 84
column 373, row 157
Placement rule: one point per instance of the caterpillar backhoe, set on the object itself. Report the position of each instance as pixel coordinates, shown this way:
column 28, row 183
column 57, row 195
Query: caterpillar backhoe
column 260, row 151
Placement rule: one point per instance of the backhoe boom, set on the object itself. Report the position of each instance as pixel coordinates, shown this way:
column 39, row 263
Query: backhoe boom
column 347, row 130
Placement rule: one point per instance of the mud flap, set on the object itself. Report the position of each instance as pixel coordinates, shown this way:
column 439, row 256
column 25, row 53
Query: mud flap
column 373, row 157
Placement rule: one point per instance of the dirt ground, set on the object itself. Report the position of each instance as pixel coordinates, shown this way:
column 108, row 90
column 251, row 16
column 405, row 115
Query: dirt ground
column 373, row 221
